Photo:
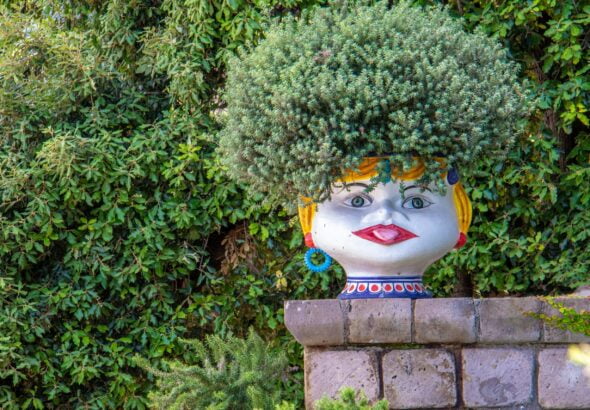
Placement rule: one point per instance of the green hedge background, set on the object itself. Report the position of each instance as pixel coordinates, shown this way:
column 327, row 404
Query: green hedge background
column 119, row 232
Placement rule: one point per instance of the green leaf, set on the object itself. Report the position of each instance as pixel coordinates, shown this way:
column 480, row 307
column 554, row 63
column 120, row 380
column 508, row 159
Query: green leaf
column 233, row 4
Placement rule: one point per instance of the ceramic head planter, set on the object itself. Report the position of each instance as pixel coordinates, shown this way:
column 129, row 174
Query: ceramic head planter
column 367, row 111
column 386, row 237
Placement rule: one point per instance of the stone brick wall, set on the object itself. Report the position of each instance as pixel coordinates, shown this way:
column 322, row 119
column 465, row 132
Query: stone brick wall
column 440, row 353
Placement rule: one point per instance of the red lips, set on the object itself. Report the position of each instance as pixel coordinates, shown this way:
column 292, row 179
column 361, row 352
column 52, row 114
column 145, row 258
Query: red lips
column 385, row 234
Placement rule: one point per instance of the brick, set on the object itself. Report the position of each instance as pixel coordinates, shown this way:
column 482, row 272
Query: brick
column 315, row 322
column 328, row 371
column 450, row 320
column 422, row 378
column 380, row 321
column 555, row 335
column 561, row 384
column 504, row 320
column 497, row 377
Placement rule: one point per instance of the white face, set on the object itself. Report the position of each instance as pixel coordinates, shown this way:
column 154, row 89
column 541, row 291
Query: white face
column 379, row 233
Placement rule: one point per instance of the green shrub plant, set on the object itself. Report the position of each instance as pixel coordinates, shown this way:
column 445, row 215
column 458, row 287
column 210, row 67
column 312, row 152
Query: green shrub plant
column 120, row 234
column 348, row 401
column 225, row 373
column 323, row 91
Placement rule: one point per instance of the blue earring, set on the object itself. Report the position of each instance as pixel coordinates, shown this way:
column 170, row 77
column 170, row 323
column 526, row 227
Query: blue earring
column 317, row 268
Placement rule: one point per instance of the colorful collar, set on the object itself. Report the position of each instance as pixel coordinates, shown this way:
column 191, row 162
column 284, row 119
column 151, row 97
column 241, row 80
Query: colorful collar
column 384, row 287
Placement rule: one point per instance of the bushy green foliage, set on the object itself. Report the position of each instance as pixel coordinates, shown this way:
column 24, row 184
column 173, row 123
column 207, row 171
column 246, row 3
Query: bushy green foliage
column 323, row 91
column 119, row 232
column 531, row 228
column 348, row 401
column 225, row 373
column 113, row 204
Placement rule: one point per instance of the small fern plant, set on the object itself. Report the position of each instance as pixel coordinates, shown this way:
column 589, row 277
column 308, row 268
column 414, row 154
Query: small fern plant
column 569, row 318
column 225, row 373
column 348, row 401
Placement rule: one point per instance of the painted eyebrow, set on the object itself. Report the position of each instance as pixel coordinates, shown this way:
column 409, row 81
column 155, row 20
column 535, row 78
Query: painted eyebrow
column 357, row 184
column 417, row 186
column 345, row 185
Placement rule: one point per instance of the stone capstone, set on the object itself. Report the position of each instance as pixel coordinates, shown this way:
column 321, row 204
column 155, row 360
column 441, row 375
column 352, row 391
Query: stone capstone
column 449, row 320
column 553, row 334
column 315, row 322
column 380, row 321
column 508, row 320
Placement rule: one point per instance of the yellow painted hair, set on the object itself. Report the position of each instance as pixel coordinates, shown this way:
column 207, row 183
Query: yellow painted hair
column 368, row 169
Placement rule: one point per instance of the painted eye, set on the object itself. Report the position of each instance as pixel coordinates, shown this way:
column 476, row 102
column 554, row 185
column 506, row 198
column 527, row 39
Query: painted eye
column 416, row 202
column 358, row 201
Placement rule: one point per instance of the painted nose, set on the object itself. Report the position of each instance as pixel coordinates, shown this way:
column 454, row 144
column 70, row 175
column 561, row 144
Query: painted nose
column 384, row 214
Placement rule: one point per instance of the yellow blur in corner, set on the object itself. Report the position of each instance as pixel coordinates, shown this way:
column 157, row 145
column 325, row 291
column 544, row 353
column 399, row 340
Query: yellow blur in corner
column 580, row 354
